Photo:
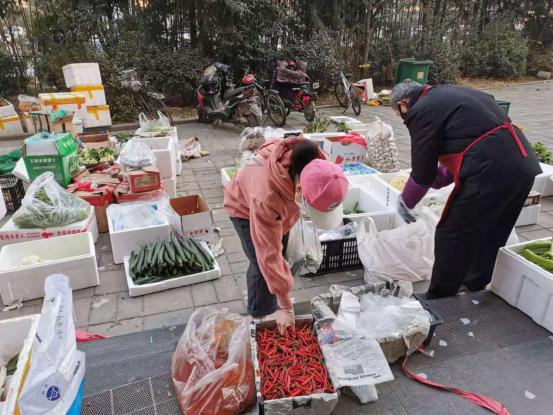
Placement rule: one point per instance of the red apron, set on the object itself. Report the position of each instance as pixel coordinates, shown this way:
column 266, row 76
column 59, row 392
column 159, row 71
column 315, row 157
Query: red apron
column 453, row 162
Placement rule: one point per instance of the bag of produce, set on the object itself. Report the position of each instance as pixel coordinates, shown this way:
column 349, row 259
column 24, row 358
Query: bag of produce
column 251, row 139
column 47, row 204
column 54, row 383
column 156, row 125
column 212, row 369
column 304, row 252
column 404, row 253
column 136, row 155
column 381, row 147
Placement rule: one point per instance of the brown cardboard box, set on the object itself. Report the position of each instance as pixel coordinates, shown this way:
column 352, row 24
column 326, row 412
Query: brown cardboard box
column 42, row 122
column 96, row 141
column 196, row 217
column 144, row 180
column 123, row 194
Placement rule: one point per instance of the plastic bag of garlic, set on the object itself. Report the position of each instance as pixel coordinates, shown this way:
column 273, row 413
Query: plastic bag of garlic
column 381, row 147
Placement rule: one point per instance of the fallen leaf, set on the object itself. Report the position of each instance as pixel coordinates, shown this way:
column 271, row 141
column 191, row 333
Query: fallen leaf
column 465, row 320
column 529, row 395
column 100, row 303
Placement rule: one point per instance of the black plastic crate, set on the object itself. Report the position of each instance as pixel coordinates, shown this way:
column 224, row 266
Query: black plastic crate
column 13, row 192
column 339, row 255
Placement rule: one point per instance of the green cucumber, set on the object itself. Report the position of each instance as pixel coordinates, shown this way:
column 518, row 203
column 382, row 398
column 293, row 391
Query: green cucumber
column 207, row 257
column 169, row 249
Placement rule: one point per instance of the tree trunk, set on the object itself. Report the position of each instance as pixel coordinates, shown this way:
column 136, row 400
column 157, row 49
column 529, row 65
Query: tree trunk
column 192, row 23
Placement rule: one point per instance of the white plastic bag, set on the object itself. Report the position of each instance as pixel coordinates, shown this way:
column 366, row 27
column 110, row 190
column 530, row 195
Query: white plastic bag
column 156, row 125
column 53, row 385
column 126, row 216
column 47, row 204
column 212, row 369
column 304, row 252
column 404, row 253
column 135, row 154
column 381, row 147
column 251, row 138
column 192, row 148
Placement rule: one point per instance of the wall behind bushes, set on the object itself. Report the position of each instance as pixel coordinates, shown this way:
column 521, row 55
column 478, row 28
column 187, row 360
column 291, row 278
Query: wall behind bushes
column 170, row 42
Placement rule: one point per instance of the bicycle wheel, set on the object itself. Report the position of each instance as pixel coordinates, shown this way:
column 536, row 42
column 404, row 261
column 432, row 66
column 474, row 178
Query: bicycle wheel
column 355, row 100
column 276, row 109
column 341, row 95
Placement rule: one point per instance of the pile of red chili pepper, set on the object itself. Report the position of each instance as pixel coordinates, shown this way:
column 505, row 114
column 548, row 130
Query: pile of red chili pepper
column 291, row 365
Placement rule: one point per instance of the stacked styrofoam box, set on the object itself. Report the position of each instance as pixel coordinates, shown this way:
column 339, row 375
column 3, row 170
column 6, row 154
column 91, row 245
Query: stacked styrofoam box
column 72, row 255
column 85, row 79
column 371, row 206
column 69, row 101
column 349, row 121
column 524, row 284
column 542, row 182
column 10, row 124
column 164, row 150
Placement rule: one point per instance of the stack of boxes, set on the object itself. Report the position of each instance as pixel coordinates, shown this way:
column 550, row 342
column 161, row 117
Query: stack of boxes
column 84, row 80
column 10, row 124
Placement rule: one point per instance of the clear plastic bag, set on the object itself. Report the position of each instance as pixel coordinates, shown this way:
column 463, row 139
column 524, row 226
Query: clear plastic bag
column 345, row 231
column 251, row 138
column 304, row 252
column 28, row 103
column 136, row 154
column 127, row 216
column 47, row 204
column 404, row 253
column 212, row 369
column 156, row 125
column 382, row 151
column 53, row 385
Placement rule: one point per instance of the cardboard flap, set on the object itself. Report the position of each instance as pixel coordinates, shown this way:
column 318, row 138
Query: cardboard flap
column 188, row 205
column 65, row 143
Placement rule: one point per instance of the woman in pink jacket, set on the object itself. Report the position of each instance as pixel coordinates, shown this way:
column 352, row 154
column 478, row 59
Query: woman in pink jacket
column 263, row 204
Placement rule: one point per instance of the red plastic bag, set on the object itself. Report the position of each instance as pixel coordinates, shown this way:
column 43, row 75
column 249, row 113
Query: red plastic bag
column 212, row 370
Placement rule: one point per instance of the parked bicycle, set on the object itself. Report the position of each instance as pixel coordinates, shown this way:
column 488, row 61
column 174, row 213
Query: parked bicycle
column 270, row 102
column 347, row 94
column 148, row 101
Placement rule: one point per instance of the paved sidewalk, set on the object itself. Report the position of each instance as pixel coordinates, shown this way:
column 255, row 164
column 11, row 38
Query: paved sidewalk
column 107, row 309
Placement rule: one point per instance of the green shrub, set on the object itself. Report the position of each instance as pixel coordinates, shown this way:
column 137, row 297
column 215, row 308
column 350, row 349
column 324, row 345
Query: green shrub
column 499, row 52
column 540, row 58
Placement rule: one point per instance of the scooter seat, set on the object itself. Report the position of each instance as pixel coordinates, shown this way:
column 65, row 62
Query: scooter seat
column 232, row 92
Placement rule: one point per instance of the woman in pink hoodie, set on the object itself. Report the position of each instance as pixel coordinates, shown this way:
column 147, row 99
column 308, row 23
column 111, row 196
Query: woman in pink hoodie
column 262, row 201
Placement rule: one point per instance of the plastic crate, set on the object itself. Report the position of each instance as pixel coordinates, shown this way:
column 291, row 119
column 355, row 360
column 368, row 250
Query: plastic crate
column 504, row 105
column 339, row 255
column 13, row 192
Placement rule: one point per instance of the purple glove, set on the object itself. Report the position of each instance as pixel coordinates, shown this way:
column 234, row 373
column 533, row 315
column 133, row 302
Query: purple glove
column 443, row 178
column 413, row 193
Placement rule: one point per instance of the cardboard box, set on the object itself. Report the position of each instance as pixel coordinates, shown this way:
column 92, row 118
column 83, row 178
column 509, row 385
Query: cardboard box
column 123, row 194
column 10, row 233
column 56, row 152
column 97, row 140
column 100, row 199
column 17, row 335
column 350, row 148
column 41, row 122
column 75, row 103
column 97, row 116
column 94, row 94
column 143, row 180
column 28, row 122
column 123, row 242
column 71, row 255
column 82, row 74
column 174, row 282
column 10, row 126
column 6, row 109
column 196, row 217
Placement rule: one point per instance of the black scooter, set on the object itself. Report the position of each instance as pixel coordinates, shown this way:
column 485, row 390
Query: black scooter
column 219, row 100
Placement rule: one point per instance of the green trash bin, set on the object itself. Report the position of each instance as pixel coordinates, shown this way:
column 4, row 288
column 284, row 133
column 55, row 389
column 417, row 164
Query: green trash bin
column 504, row 105
column 413, row 69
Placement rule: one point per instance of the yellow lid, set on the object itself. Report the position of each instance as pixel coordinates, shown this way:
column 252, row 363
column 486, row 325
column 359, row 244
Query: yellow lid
column 61, row 98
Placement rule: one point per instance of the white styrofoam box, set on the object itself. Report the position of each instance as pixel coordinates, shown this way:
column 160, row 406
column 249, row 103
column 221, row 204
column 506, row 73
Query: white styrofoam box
column 125, row 241
column 10, row 233
column 10, row 126
column 349, row 121
column 523, row 284
column 383, row 217
column 20, row 171
column 97, row 116
column 68, row 101
column 321, row 140
column 225, row 176
column 82, row 74
column 170, row 187
column 367, row 92
column 164, row 151
column 171, row 132
column 71, row 255
column 95, row 95
column 6, row 109
column 3, row 209
column 17, row 335
column 136, row 290
column 542, row 182
column 179, row 163
column 529, row 215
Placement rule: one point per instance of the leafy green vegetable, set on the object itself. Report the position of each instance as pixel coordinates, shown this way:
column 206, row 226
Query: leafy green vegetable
column 99, row 155
column 544, row 154
column 123, row 137
column 354, row 210
column 12, row 365
column 318, row 125
column 341, row 127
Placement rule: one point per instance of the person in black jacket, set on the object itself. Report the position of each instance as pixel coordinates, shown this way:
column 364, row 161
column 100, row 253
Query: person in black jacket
column 461, row 135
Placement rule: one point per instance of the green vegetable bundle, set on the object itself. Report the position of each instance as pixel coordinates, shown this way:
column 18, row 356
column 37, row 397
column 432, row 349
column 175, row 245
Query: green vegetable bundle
column 341, row 127
column 169, row 258
column 544, row 154
column 318, row 125
column 90, row 156
column 540, row 253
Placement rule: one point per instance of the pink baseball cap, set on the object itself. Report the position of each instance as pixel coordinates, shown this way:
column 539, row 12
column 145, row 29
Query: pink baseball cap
column 324, row 187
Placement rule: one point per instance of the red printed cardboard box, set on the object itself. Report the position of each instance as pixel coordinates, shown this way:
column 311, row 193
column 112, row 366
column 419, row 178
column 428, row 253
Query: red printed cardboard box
column 196, row 217
column 143, row 180
column 123, row 194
